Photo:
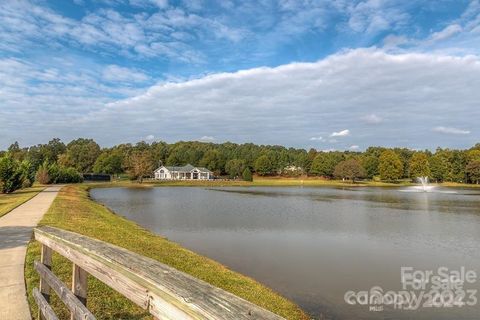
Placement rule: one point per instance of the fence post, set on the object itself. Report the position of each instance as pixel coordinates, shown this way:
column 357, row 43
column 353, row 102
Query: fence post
column 46, row 259
column 79, row 285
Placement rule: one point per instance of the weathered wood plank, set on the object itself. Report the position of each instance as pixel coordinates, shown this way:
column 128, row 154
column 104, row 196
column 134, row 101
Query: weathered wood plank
column 79, row 285
column 46, row 259
column 166, row 292
column 130, row 289
column 68, row 298
column 43, row 306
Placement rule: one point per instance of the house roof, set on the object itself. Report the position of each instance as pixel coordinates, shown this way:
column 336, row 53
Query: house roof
column 186, row 168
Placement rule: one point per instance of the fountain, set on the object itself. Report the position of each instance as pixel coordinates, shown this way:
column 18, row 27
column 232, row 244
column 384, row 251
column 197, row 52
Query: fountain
column 424, row 187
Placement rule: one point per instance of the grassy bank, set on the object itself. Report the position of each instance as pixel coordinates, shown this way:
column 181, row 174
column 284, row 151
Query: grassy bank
column 73, row 210
column 287, row 182
column 257, row 181
column 10, row 201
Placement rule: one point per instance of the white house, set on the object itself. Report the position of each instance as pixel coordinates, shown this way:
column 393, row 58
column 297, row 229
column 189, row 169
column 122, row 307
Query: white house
column 187, row 172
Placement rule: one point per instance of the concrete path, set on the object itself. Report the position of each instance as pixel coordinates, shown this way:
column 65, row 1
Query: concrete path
column 15, row 233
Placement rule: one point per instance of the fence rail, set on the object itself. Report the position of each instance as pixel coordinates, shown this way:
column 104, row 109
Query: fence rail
column 162, row 290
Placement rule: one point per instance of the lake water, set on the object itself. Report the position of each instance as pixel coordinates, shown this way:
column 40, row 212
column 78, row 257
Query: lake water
column 314, row 244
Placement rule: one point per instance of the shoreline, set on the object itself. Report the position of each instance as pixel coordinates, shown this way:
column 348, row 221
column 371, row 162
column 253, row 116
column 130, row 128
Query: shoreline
column 271, row 182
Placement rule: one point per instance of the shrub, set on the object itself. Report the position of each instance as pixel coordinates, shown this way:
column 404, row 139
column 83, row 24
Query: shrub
column 54, row 173
column 11, row 174
column 42, row 175
column 247, row 174
column 68, row 175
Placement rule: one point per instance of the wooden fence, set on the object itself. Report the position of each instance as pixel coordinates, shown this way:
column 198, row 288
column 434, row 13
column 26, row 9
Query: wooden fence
column 164, row 291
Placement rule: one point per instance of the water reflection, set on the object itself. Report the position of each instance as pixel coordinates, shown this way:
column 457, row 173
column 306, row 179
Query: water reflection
column 314, row 244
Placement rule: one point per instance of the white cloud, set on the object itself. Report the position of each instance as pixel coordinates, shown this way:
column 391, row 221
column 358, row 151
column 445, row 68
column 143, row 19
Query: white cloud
column 446, row 33
column 23, row 24
column 372, row 119
column 150, row 137
column 316, row 139
column 342, row 133
column 206, row 139
column 393, row 41
column 280, row 105
column 450, row 130
column 373, row 16
column 116, row 73
column 160, row 3
column 354, row 147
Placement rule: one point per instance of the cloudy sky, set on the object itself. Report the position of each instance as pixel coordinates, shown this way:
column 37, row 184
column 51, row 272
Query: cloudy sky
column 330, row 74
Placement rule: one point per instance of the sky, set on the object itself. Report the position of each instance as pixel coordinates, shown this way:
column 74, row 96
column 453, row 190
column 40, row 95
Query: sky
column 329, row 74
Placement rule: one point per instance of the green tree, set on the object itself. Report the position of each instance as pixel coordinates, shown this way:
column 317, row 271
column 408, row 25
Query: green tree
column 324, row 163
column 419, row 165
column 459, row 162
column 15, row 151
column 349, row 169
column 390, row 166
column 473, row 171
column 438, row 168
column 263, row 166
column 81, row 154
column 235, row 167
column 404, row 155
column 247, row 174
column 109, row 162
column 11, row 174
column 211, row 160
column 370, row 163
column 28, row 171
column 159, row 151
column 52, row 150
column 473, row 155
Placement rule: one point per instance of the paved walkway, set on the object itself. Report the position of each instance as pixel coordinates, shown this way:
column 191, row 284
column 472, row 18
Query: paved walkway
column 15, row 233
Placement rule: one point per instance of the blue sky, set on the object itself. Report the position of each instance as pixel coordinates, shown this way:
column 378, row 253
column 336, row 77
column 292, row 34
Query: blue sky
column 332, row 75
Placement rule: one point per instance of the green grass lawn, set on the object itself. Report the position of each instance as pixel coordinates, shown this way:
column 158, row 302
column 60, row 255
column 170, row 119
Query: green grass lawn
column 73, row 210
column 10, row 201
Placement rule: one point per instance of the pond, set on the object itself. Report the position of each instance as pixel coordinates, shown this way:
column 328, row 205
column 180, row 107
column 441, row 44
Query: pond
column 314, row 245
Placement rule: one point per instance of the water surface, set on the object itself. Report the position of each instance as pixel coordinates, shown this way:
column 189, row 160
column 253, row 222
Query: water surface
column 315, row 244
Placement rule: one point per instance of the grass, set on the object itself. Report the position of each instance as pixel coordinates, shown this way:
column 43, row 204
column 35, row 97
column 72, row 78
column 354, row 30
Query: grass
column 313, row 182
column 73, row 210
column 258, row 181
column 10, row 201
column 281, row 182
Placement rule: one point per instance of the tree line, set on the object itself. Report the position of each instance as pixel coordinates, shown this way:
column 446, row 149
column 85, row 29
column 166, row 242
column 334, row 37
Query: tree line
column 56, row 161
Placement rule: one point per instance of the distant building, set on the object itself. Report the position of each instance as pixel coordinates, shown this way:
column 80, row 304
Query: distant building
column 292, row 170
column 187, row 172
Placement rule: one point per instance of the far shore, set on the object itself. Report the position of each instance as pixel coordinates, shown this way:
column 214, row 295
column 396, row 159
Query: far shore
column 272, row 182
